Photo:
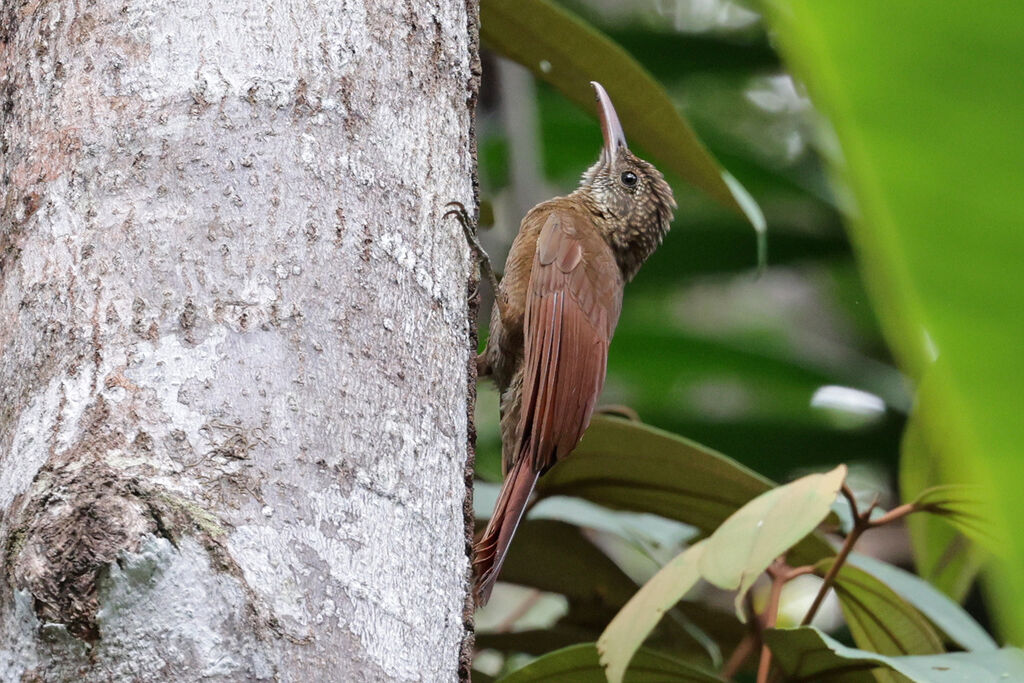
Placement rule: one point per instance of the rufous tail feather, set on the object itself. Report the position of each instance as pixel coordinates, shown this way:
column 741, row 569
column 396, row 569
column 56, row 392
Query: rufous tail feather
column 490, row 550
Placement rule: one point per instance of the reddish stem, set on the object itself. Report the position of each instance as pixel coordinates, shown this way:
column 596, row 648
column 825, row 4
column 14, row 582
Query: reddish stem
column 771, row 613
column 861, row 522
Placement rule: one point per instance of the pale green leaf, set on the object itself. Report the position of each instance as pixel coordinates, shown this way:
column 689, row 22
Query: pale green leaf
column 765, row 528
column 635, row 621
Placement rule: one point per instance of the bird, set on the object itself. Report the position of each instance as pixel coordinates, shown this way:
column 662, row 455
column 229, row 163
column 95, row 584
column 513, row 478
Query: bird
column 556, row 308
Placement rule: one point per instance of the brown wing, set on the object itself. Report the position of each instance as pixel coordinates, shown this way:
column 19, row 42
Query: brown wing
column 573, row 301
column 572, row 305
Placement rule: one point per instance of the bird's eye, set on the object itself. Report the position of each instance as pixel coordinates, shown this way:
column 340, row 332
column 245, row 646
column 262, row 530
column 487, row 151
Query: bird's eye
column 628, row 178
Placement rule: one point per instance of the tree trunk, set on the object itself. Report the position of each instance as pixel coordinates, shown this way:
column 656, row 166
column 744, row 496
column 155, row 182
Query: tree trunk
column 235, row 338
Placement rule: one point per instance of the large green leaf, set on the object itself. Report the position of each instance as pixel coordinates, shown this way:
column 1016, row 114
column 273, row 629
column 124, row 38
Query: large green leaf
column 565, row 51
column 879, row 619
column 631, row 466
column 634, row 622
column 927, row 114
column 747, row 543
column 807, row 654
column 943, row 555
column 946, row 614
column 580, row 664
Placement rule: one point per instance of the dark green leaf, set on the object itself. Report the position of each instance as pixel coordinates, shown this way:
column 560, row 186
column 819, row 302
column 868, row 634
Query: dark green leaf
column 631, row 466
column 879, row 619
column 572, row 565
column 535, row 641
column 481, row 677
column 565, row 51
column 579, row 664
column 808, row 655
column 950, row 617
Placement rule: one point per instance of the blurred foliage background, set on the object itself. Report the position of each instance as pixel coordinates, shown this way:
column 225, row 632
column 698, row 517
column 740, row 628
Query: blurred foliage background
column 783, row 372
column 901, row 133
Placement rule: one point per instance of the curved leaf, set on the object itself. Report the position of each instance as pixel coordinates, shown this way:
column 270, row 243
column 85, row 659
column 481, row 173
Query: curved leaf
column 807, row 654
column 565, row 51
column 879, row 619
column 632, row 466
column 634, row 622
column 579, row 664
column 947, row 615
column 749, row 541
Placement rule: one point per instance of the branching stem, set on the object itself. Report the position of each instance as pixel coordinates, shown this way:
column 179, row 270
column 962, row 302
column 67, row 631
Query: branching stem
column 781, row 573
column 861, row 522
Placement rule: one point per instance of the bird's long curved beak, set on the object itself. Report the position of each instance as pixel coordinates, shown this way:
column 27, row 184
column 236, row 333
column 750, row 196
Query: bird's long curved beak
column 611, row 129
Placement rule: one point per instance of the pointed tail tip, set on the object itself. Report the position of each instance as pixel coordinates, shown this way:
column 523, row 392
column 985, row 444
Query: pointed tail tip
column 483, row 570
column 492, row 547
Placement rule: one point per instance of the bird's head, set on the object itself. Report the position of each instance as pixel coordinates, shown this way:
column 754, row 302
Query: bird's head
column 632, row 202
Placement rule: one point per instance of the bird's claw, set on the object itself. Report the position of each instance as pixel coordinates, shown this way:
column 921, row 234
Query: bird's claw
column 458, row 210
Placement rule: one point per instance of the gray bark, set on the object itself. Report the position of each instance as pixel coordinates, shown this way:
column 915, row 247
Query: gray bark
column 235, row 339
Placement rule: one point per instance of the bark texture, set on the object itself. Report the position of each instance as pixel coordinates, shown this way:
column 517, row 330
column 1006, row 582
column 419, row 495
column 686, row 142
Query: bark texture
column 234, row 338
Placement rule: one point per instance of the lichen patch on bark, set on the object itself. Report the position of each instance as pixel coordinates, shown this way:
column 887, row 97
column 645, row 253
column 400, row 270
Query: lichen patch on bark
column 73, row 529
column 81, row 515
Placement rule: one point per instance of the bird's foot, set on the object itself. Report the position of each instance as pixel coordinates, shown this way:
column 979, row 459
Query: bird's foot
column 469, row 228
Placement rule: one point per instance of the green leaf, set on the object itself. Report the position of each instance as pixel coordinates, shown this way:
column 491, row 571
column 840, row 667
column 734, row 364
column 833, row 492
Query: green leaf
column 579, row 664
column 634, row 622
column 926, row 114
column 481, row 677
column 563, row 50
column 631, row 466
column 572, row 565
column 535, row 641
column 946, row 614
column 879, row 619
column 943, row 555
column 807, row 654
column 748, row 542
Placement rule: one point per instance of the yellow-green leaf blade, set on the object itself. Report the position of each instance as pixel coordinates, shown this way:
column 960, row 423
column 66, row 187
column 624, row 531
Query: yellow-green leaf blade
column 749, row 541
column 927, row 111
column 634, row 622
